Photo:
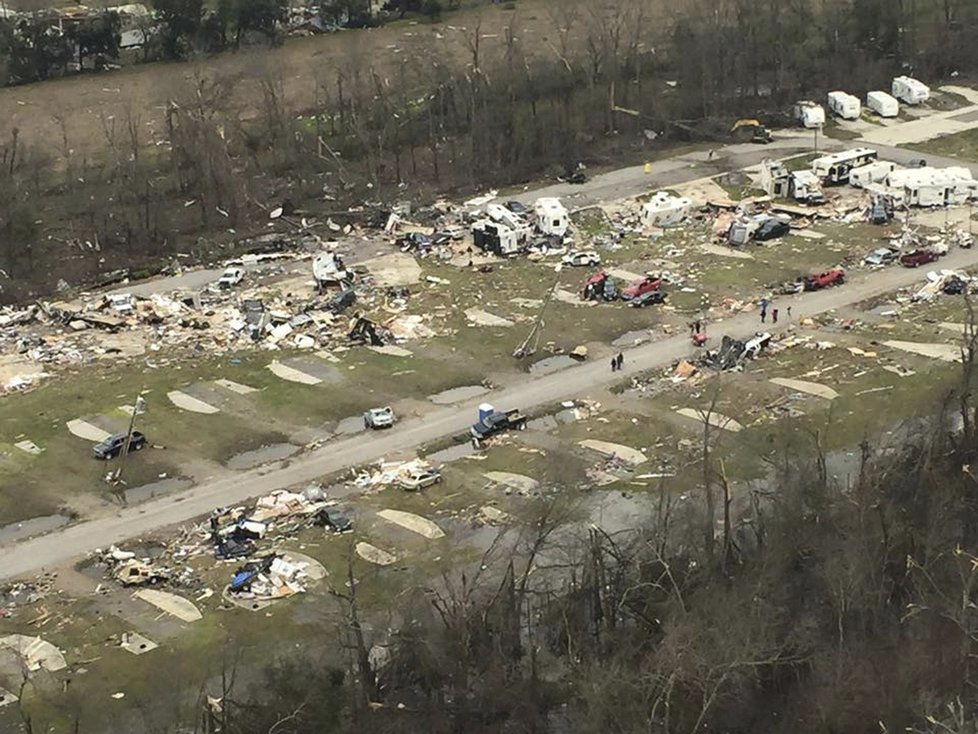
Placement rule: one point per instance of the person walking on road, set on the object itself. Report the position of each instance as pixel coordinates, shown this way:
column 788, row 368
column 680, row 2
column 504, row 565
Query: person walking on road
column 789, row 313
column 620, row 359
column 614, row 363
column 774, row 316
column 763, row 313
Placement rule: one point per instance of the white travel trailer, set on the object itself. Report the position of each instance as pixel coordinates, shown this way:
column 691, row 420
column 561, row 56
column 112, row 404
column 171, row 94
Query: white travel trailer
column 844, row 105
column 871, row 173
column 910, row 90
column 883, row 104
column 552, row 217
column 835, row 168
column 665, row 210
column 809, row 114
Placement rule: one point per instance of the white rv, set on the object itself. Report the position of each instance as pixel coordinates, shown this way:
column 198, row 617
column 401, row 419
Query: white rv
column 552, row 217
column 664, row 210
column 809, row 114
column 835, row 168
column 871, row 173
column 883, row 104
column 934, row 186
column 910, row 90
column 844, row 105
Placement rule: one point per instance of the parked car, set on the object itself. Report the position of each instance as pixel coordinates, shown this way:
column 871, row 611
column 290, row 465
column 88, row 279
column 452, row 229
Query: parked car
column 112, row 446
column 379, row 418
column 641, row 286
column 880, row 256
column 230, row 278
column 648, row 298
column 917, row 163
column 917, row 258
column 824, row 280
column 419, row 479
column 342, row 300
column 771, row 229
column 579, row 258
column 791, row 287
column 335, row 519
column 517, row 208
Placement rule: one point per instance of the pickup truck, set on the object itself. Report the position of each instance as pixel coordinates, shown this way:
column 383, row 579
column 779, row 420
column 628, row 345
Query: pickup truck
column 498, row 422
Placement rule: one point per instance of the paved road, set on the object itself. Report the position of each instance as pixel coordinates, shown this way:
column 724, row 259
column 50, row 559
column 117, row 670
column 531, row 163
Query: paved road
column 51, row 551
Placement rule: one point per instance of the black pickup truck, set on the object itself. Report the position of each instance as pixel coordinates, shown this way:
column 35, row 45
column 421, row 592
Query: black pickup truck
column 498, row 422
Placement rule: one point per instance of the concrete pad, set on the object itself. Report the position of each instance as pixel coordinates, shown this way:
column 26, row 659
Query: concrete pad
column 458, row 394
column 37, row 654
column 717, row 420
column 415, row 523
column 951, row 326
column 29, row 447
column 519, row 482
column 315, row 367
column 86, row 430
column 391, row 350
column 136, row 644
column 172, row 604
column 808, row 234
column 946, row 352
column 395, row 269
column 614, row 451
column 812, row 388
column 725, row 251
column 292, row 375
column 483, row 318
column 565, row 296
column 235, row 387
column 627, row 275
column 375, row 555
column 188, row 402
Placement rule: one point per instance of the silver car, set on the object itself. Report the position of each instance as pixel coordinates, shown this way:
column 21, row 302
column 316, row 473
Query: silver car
column 379, row 418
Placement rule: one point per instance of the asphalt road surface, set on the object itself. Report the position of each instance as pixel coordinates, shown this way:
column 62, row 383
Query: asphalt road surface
column 56, row 549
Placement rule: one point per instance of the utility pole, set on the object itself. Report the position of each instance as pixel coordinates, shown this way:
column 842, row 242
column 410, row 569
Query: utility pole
column 138, row 407
column 816, row 129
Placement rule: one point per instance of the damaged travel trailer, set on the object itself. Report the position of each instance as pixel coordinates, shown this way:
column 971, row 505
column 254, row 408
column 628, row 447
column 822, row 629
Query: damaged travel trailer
column 910, row 90
column 552, row 217
column 882, row 104
column 781, row 183
column 871, row 173
column 665, row 210
column 501, row 215
column 328, row 268
column 495, row 237
column 844, row 105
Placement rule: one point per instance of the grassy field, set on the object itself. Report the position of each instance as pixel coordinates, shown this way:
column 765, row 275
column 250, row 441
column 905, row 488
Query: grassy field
column 960, row 145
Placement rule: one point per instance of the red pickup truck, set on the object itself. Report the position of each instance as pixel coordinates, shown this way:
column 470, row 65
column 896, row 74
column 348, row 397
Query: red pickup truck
column 824, row 280
column 641, row 286
column 917, row 258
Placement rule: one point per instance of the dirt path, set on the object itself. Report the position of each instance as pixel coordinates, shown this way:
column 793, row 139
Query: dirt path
column 58, row 548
